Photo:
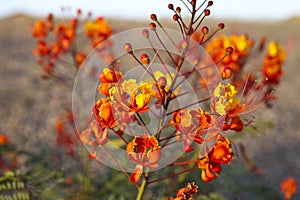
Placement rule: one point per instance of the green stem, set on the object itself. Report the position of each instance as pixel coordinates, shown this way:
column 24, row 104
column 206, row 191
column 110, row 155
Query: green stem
column 142, row 189
column 87, row 184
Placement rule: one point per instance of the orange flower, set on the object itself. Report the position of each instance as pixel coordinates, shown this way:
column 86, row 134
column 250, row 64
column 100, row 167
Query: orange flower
column 145, row 151
column 98, row 31
column 110, row 75
column 94, row 137
column 107, row 77
column 79, row 58
column 132, row 97
column 221, row 153
column 103, row 113
column 190, row 125
column 39, row 29
column 41, row 49
column 288, row 187
column 186, row 193
column 3, row 139
column 272, row 63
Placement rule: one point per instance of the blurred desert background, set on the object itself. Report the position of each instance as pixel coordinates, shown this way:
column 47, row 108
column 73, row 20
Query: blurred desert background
column 28, row 104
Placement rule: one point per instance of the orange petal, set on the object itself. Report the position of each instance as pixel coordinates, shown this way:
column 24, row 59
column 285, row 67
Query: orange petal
column 137, row 172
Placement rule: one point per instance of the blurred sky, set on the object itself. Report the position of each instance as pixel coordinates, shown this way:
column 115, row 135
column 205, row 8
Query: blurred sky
column 141, row 9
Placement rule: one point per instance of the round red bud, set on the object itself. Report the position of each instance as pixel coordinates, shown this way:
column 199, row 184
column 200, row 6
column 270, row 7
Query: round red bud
column 221, row 26
column 128, row 47
column 170, row 6
column 210, row 3
column 153, row 17
column 145, row 33
column 227, row 72
column 178, row 9
column 145, row 59
column 193, row 2
column 229, row 50
column 175, row 17
column 207, row 12
column 205, row 30
column 152, row 26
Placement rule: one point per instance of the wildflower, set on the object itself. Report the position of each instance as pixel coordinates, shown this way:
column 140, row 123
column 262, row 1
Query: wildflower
column 108, row 76
column 225, row 99
column 3, row 139
column 132, row 97
column 186, row 193
column 39, row 29
column 103, row 113
column 145, row 151
column 79, row 58
column 94, row 137
column 97, row 31
column 288, row 187
column 241, row 45
column 272, row 63
column 190, row 126
column 221, row 153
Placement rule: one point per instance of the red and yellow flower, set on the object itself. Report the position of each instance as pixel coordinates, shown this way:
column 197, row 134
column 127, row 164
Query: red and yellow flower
column 221, row 153
column 145, row 151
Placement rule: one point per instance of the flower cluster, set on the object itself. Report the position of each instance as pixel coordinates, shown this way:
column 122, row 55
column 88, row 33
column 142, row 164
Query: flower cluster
column 56, row 39
column 288, row 187
column 234, row 91
column 190, row 105
column 186, row 193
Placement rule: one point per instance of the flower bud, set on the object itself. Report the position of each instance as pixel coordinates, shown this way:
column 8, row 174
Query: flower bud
column 193, row 2
column 175, row 17
column 128, row 47
column 184, row 44
column 206, row 12
column 227, row 72
column 210, row 3
column 145, row 33
column 145, row 59
column 152, row 26
column 205, row 30
column 153, row 17
column 229, row 50
column 178, row 9
column 170, row 6
column 221, row 26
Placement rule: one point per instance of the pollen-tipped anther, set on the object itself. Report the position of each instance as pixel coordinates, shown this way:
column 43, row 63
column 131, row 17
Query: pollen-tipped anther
column 210, row 3
column 178, row 9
